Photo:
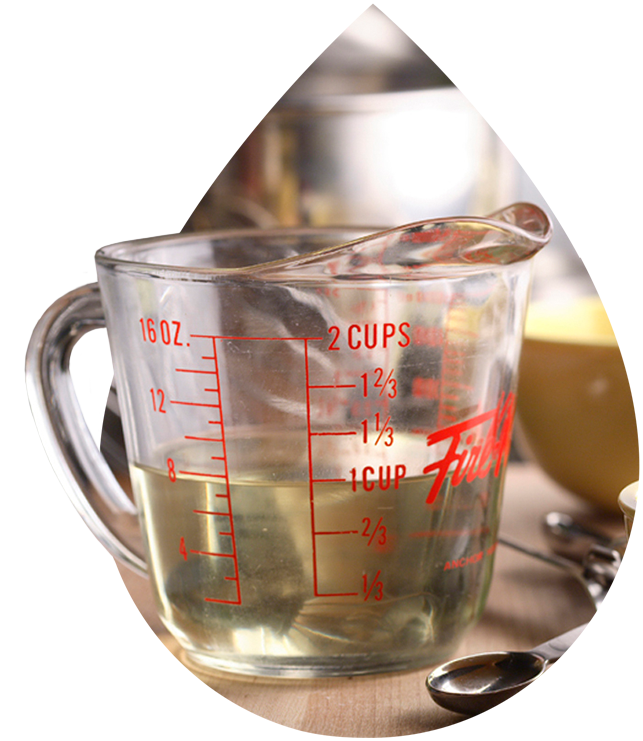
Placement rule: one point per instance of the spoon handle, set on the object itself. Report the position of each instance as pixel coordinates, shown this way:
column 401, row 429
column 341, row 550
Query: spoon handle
column 620, row 629
column 573, row 540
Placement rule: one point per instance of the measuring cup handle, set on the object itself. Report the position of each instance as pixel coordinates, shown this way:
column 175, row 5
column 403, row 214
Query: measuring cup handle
column 71, row 449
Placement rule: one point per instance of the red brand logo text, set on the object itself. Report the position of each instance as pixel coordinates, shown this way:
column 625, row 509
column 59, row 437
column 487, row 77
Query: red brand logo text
column 474, row 456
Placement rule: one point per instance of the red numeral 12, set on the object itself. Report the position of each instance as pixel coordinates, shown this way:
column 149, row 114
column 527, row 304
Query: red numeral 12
column 161, row 400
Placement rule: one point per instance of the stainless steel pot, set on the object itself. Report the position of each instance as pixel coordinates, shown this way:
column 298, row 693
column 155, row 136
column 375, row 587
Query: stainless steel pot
column 374, row 133
column 318, row 114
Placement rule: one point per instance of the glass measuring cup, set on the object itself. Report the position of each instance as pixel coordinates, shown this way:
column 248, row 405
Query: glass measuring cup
column 317, row 425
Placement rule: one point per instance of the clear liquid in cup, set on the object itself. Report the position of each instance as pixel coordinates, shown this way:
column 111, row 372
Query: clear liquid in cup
column 386, row 583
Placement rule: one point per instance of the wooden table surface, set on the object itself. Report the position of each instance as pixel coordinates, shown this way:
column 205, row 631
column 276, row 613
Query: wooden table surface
column 147, row 691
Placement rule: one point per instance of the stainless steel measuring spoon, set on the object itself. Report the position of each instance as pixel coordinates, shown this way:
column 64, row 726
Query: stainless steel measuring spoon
column 595, row 574
column 473, row 684
column 571, row 539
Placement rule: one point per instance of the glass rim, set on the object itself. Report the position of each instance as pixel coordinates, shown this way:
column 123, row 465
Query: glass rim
column 122, row 255
column 421, row 240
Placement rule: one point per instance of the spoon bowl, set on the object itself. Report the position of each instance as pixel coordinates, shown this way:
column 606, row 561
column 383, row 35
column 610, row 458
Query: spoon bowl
column 473, row 684
column 476, row 683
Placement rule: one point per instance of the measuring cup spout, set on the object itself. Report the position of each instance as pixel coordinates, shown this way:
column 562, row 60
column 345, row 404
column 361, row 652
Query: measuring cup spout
column 425, row 249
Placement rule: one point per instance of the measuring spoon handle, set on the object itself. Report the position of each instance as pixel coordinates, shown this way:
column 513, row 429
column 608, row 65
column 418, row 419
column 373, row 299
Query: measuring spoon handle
column 88, row 480
column 621, row 629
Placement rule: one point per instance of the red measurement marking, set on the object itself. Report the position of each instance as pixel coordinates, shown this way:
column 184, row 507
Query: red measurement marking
column 196, row 404
column 310, row 473
column 375, row 530
column 226, row 601
column 227, row 482
column 378, row 384
column 336, row 386
column 268, row 339
column 386, row 382
column 324, row 481
column 384, row 429
column 374, row 583
column 209, row 475
column 312, row 480
column 209, row 553
column 220, row 438
column 337, row 532
column 204, row 439
column 332, row 433
column 208, row 512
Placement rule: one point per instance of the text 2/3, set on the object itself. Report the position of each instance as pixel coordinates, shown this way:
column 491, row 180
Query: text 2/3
column 383, row 381
column 166, row 332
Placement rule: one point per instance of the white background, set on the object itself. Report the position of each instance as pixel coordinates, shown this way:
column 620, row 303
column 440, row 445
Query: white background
column 50, row 219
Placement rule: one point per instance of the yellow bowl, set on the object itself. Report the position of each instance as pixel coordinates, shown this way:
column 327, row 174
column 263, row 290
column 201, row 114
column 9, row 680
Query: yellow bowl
column 575, row 410
column 630, row 502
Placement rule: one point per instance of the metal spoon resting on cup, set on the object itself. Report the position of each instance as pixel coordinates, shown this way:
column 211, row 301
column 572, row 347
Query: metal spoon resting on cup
column 487, row 683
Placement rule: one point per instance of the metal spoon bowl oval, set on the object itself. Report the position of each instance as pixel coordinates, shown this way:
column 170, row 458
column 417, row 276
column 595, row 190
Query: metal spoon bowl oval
column 476, row 683
column 473, row 684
